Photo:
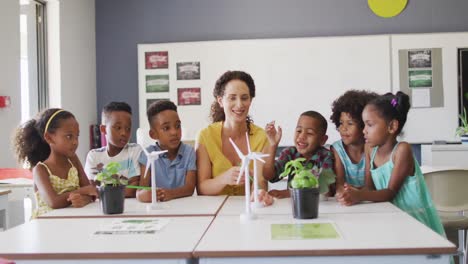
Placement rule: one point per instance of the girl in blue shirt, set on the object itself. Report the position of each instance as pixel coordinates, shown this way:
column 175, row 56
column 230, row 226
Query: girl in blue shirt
column 349, row 150
column 392, row 172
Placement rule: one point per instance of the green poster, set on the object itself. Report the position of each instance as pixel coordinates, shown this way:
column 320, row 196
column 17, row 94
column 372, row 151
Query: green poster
column 157, row 83
column 303, row 231
column 420, row 78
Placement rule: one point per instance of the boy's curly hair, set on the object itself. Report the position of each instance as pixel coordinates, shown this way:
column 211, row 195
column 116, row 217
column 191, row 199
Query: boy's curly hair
column 353, row 103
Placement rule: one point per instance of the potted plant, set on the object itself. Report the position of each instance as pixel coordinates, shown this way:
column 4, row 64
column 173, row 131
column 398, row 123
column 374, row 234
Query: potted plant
column 112, row 189
column 462, row 130
column 306, row 186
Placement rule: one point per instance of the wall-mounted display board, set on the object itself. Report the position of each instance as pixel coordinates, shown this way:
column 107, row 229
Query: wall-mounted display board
column 291, row 76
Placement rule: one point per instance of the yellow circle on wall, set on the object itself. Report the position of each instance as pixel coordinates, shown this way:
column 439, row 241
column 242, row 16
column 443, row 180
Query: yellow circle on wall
column 387, row 8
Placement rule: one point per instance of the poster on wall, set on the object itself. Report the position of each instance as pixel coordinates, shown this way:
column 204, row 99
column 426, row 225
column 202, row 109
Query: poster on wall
column 419, row 58
column 153, row 100
column 189, row 96
column 420, row 78
column 157, row 83
column 188, row 70
column 156, row 60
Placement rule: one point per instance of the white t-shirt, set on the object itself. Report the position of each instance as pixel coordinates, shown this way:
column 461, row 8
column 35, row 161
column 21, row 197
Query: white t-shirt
column 98, row 158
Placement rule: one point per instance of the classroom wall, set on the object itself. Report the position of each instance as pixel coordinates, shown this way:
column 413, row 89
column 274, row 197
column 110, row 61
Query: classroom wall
column 74, row 74
column 9, row 77
column 121, row 25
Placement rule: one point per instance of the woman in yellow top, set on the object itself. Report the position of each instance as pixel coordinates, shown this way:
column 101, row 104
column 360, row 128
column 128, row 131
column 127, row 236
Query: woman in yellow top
column 217, row 162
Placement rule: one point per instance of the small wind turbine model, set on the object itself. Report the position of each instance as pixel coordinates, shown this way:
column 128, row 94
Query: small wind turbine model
column 254, row 156
column 150, row 159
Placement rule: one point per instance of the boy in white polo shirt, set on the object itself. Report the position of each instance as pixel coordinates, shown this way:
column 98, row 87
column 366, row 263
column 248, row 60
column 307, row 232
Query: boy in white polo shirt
column 116, row 127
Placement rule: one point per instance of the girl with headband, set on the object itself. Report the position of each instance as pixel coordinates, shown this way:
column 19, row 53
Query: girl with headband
column 47, row 144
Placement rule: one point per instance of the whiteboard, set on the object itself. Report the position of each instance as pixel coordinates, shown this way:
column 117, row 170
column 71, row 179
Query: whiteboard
column 291, row 76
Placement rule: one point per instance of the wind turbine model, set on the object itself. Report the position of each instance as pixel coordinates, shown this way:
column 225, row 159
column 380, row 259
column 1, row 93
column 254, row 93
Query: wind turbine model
column 150, row 159
column 254, row 156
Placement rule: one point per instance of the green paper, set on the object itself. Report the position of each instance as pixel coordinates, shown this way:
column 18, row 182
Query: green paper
column 303, row 231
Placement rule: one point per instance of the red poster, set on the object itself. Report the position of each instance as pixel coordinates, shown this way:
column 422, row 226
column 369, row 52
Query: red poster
column 188, row 96
column 157, row 60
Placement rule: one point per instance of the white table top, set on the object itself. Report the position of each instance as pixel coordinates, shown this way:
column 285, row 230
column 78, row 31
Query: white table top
column 75, row 238
column 187, row 206
column 361, row 234
column 235, row 205
column 426, row 169
column 16, row 182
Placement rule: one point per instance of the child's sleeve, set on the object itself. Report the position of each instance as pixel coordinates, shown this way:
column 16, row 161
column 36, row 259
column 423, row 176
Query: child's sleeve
column 135, row 156
column 284, row 157
column 192, row 160
column 90, row 166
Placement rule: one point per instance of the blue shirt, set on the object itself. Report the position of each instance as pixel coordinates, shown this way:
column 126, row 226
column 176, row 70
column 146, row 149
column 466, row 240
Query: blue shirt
column 354, row 172
column 170, row 174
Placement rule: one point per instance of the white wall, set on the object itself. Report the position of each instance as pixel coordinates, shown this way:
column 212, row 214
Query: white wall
column 78, row 65
column 72, row 72
column 9, row 78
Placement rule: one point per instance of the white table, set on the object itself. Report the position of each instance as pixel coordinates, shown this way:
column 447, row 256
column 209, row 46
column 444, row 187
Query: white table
column 187, row 206
column 72, row 240
column 235, row 205
column 382, row 238
column 21, row 188
column 4, row 208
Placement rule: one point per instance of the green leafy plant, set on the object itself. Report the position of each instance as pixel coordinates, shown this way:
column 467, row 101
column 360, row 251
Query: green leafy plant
column 463, row 129
column 109, row 175
column 308, row 176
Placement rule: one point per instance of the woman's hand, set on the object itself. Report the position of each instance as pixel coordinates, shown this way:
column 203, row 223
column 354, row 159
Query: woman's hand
column 230, row 176
column 274, row 136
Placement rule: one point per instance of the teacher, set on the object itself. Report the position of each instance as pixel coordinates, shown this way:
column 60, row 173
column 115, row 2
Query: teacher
column 217, row 161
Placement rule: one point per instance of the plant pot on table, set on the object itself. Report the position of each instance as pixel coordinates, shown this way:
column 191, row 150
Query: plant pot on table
column 112, row 199
column 305, row 202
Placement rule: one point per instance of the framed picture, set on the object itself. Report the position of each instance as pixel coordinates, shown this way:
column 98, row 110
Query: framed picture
column 419, row 58
column 150, row 101
column 157, row 60
column 420, row 78
column 189, row 96
column 157, row 83
column 188, row 70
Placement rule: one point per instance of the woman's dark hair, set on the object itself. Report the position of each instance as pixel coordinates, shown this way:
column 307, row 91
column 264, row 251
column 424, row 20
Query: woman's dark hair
column 353, row 103
column 217, row 113
column 390, row 107
column 29, row 143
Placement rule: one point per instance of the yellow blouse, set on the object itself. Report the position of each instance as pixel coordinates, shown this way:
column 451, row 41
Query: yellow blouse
column 210, row 137
column 71, row 183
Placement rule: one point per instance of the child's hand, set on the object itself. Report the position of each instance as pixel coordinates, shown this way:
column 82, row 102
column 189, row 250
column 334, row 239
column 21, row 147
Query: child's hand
column 163, row 195
column 90, row 190
column 279, row 194
column 274, row 136
column 265, row 198
column 231, row 175
column 78, row 200
column 348, row 196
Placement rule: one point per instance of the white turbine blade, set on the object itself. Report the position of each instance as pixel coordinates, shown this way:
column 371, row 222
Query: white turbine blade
column 248, row 142
column 147, row 168
column 239, row 153
column 145, row 151
column 241, row 170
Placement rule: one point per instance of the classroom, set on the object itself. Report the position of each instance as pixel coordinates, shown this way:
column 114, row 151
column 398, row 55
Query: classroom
column 302, row 54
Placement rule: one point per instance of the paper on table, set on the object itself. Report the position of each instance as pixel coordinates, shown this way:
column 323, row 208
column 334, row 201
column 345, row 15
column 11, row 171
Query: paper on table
column 304, row 231
column 132, row 226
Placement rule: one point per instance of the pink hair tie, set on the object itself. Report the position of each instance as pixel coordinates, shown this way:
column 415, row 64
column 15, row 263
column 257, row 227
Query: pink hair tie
column 394, row 102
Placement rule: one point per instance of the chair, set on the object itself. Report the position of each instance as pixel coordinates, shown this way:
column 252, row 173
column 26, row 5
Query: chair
column 449, row 190
column 143, row 138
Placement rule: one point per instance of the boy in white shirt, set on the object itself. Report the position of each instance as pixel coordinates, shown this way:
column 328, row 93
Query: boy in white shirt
column 116, row 127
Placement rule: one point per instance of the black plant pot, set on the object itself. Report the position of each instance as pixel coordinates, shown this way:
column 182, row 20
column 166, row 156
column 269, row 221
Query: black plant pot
column 112, row 199
column 305, row 202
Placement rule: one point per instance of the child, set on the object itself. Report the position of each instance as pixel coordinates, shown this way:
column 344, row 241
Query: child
column 116, row 119
column 349, row 151
column 176, row 169
column 309, row 138
column 48, row 143
column 392, row 173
